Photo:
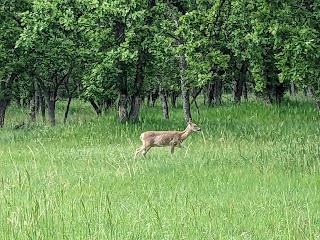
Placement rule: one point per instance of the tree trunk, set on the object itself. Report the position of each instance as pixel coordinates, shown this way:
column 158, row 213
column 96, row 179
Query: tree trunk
column 33, row 113
column 135, row 99
column 279, row 92
column 4, row 103
column 292, row 89
column 174, row 99
column 122, row 107
column 42, row 105
column 184, row 90
column 213, row 93
column 245, row 91
column 237, row 91
column 238, row 87
column 148, row 99
column 217, row 92
column 154, row 97
column 134, row 109
column 195, row 94
column 37, row 99
column 106, row 104
column 164, row 103
column 123, row 92
column 52, row 111
column 95, row 106
column 70, row 95
column 50, row 96
column 210, row 94
column 67, row 110
column 186, row 105
column 5, row 96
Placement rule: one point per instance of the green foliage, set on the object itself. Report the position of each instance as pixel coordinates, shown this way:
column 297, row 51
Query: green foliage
column 10, row 28
column 12, row 60
column 105, row 46
column 278, row 38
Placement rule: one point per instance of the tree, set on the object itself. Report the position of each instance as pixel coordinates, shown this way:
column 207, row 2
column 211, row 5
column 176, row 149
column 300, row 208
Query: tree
column 12, row 61
column 297, row 36
column 51, row 41
column 123, row 44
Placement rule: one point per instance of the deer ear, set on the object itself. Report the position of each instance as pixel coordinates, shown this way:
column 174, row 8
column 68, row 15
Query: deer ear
column 189, row 122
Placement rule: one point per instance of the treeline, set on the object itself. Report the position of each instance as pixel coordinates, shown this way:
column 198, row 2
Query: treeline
column 121, row 52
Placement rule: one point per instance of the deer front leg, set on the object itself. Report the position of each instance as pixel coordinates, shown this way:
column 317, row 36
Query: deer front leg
column 182, row 147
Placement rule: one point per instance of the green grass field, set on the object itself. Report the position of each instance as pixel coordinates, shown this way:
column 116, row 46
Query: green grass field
column 254, row 175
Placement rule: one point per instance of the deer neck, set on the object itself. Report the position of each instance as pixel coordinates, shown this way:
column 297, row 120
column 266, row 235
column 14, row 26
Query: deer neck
column 185, row 133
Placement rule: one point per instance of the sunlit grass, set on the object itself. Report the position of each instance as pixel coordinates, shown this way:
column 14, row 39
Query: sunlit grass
column 254, row 175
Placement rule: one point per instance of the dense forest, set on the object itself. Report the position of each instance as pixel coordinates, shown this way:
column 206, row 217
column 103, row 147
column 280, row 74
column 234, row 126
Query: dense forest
column 120, row 53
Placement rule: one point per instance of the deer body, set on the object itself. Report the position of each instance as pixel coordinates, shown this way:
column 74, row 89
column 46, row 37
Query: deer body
column 165, row 138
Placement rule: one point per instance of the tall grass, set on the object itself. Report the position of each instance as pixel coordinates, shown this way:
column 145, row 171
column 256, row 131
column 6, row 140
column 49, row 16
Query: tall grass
column 254, row 176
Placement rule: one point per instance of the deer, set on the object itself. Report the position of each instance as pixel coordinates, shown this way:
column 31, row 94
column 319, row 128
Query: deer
column 171, row 139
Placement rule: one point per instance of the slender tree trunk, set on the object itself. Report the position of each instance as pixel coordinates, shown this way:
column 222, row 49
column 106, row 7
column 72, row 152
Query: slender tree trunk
column 210, row 94
column 184, row 89
column 173, row 99
column 245, row 91
column 106, row 104
column 4, row 103
column 123, row 92
column 50, row 95
column 122, row 107
column 164, row 103
column 70, row 94
column 237, row 91
column 217, row 92
column 95, row 106
column 195, row 94
column 148, row 99
column 279, row 92
column 52, row 111
column 185, row 94
column 238, row 87
column 292, row 89
column 37, row 99
column 135, row 99
column 42, row 105
column 5, row 96
column 33, row 113
column 67, row 110
column 32, row 104
column 154, row 97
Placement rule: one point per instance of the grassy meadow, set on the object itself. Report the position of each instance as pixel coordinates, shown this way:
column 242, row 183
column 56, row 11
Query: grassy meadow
column 254, row 175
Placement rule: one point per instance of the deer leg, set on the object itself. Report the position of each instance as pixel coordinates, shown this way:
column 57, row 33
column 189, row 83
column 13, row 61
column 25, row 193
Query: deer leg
column 172, row 149
column 138, row 151
column 182, row 147
column 145, row 150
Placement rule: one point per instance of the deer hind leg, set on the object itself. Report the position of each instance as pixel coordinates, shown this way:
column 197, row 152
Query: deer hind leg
column 145, row 150
column 138, row 151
